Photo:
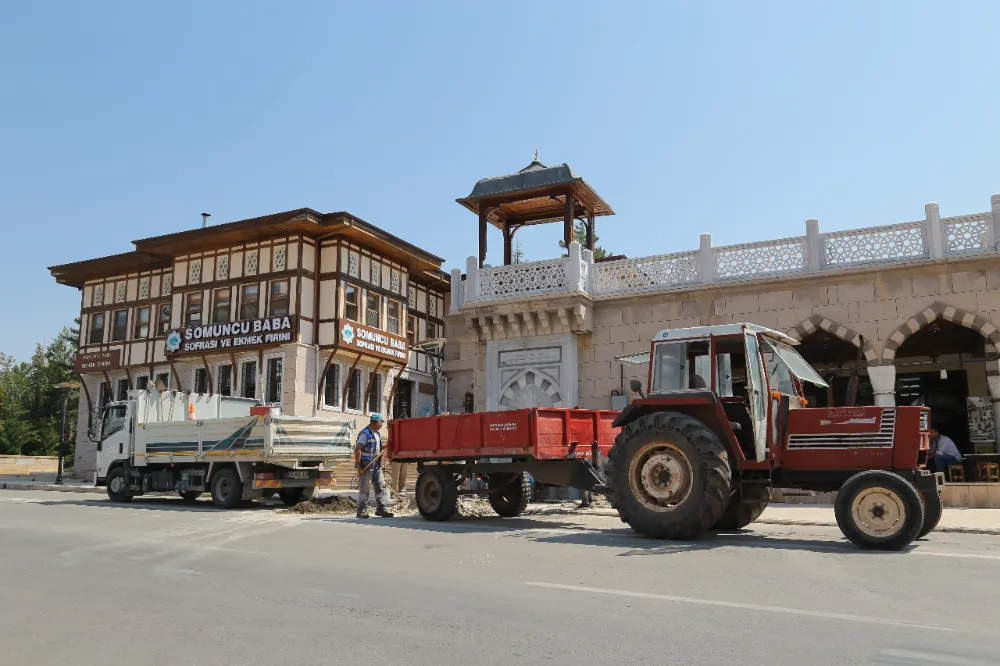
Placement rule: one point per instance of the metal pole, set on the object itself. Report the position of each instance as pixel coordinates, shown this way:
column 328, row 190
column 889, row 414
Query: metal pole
column 62, row 439
column 436, row 372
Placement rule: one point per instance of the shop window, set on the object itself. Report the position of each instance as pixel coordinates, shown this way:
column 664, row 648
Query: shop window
column 164, row 318
column 222, row 309
column 375, row 393
column 142, row 382
column 119, row 325
column 96, row 328
column 121, row 389
column 354, row 391
column 163, row 380
column 248, row 379
column 141, row 327
column 373, row 310
column 278, row 306
column 393, row 317
column 192, row 308
column 274, row 372
column 224, row 379
column 331, row 386
column 351, row 302
column 200, row 380
column 411, row 329
column 249, row 301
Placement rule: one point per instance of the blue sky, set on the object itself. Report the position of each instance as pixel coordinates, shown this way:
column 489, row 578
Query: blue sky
column 125, row 120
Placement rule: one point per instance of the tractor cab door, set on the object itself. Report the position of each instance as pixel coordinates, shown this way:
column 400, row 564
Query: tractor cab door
column 757, row 392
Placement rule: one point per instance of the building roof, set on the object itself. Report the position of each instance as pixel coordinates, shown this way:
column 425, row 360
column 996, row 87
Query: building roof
column 534, row 195
column 160, row 251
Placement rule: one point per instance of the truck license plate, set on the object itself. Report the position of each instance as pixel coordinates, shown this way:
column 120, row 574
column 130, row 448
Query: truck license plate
column 297, row 474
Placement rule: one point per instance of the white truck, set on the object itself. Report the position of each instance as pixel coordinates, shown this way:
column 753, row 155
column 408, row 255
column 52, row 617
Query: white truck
column 189, row 443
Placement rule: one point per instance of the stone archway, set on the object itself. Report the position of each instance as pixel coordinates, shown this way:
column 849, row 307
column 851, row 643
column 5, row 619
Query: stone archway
column 818, row 322
column 940, row 310
column 530, row 388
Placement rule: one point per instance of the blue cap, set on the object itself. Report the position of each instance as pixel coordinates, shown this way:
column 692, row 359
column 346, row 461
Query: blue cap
column 376, row 417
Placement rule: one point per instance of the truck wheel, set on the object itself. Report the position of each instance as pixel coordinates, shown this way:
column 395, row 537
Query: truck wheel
column 670, row 475
column 512, row 500
column 879, row 510
column 292, row 496
column 437, row 494
column 933, row 508
column 190, row 495
column 227, row 489
column 117, row 483
column 744, row 509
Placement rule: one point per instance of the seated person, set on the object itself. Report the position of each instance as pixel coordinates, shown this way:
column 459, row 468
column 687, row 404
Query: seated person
column 943, row 452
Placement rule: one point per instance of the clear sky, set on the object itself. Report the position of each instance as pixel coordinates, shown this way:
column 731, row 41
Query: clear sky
column 126, row 120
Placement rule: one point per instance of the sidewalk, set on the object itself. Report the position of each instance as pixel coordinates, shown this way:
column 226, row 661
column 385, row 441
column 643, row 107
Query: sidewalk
column 969, row 521
column 46, row 481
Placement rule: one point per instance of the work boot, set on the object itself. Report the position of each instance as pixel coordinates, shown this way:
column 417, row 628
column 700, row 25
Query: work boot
column 363, row 516
column 382, row 513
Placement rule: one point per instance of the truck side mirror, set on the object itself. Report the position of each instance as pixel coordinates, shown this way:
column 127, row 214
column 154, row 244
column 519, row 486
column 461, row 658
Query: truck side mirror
column 635, row 386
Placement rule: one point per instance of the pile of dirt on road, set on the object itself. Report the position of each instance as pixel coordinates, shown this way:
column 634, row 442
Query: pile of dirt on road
column 337, row 504
column 475, row 508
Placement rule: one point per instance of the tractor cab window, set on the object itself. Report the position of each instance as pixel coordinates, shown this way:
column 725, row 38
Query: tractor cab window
column 779, row 377
column 731, row 367
column 114, row 420
column 680, row 366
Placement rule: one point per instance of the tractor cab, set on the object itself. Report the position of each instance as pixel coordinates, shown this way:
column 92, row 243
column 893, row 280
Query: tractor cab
column 753, row 372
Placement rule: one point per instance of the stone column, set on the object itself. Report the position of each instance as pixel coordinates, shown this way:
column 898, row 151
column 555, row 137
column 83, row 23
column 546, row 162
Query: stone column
column 706, row 260
column 471, row 280
column 933, row 233
column 994, row 383
column 814, row 246
column 573, row 276
column 456, row 291
column 883, row 379
column 995, row 221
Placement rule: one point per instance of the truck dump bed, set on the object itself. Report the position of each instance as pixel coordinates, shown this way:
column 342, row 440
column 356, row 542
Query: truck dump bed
column 543, row 434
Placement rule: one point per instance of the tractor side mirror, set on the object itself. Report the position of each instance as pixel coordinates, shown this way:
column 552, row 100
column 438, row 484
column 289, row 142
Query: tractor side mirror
column 636, row 387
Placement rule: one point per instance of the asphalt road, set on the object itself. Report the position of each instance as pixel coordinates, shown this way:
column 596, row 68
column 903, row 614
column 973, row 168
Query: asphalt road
column 88, row 582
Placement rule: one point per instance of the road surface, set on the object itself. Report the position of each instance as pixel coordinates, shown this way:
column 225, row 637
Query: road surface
column 157, row 581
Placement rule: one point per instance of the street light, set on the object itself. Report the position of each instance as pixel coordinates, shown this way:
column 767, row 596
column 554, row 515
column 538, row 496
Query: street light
column 68, row 386
column 432, row 347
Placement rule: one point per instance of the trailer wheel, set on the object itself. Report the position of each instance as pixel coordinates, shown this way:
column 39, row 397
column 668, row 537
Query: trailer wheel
column 744, row 509
column 190, row 495
column 933, row 508
column 227, row 489
column 292, row 496
column 512, row 500
column 879, row 510
column 117, row 483
column 437, row 493
column 670, row 475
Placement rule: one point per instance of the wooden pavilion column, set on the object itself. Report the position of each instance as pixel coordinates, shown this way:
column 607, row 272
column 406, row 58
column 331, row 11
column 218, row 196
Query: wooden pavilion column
column 568, row 220
column 590, row 232
column 482, row 235
column 508, row 243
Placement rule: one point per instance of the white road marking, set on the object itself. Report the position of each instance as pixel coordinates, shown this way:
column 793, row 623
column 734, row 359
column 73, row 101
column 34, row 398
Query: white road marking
column 903, row 657
column 740, row 606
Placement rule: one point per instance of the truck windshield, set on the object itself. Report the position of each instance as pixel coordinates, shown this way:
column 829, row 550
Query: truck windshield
column 679, row 366
column 114, row 420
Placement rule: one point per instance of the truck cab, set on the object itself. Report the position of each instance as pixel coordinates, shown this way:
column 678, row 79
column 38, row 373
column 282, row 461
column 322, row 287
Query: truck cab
column 113, row 437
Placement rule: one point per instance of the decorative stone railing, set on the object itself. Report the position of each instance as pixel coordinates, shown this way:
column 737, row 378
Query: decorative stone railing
column 929, row 239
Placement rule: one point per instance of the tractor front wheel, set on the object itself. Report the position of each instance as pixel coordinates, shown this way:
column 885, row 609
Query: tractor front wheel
column 879, row 510
column 933, row 508
column 670, row 476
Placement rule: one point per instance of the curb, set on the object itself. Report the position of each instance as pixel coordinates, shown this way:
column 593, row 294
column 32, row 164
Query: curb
column 816, row 523
column 50, row 486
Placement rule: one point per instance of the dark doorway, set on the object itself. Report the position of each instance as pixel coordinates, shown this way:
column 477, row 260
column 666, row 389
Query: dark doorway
column 834, row 359
column 946, row 398
column 402, row 406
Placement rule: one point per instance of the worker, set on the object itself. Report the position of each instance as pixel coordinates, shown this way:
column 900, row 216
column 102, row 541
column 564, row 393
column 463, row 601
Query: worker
column 398, row 471
column 368, row 461
column 943, row 451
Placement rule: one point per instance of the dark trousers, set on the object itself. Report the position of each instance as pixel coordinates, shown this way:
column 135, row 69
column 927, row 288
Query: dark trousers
column 941, row 463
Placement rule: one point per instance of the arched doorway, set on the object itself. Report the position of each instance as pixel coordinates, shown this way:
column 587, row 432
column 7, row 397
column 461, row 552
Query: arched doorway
column 530, row 388
column 833, row 349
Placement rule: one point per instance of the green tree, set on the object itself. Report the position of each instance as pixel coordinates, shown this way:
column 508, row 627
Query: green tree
column 517, row 253
column 580, row 236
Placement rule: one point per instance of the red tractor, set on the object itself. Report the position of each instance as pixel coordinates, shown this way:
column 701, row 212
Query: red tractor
column 725, row 420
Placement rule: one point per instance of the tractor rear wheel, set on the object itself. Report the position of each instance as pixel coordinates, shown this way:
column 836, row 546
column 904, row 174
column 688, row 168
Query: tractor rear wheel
column 879, row 510
column 670, row 475
column 513, row 497
column 744, row 508
column 933, row 508
column 437, row 493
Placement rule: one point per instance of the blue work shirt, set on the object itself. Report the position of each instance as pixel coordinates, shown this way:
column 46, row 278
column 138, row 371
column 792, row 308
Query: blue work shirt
column 370, row 445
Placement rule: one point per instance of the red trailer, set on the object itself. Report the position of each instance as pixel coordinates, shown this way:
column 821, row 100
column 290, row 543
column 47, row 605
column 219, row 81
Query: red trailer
column 560, row 447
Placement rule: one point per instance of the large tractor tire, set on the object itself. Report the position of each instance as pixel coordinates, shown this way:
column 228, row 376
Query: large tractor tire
column 227, row 489
column 670, row 475
column 437, row 494
column 879, row 510
column 744, row 508
column 933, row 508
column 512, row 500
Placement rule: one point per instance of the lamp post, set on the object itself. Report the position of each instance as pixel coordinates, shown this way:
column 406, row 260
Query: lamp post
column 66, row 387
column 432, row 348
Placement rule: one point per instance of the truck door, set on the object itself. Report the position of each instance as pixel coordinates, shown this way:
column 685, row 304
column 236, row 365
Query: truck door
column 113, row 441
column 757, row 393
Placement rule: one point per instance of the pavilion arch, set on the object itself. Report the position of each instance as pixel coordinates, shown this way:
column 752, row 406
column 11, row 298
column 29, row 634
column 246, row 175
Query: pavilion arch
column 818, row 322
column 946, row 312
